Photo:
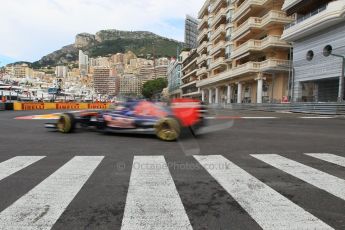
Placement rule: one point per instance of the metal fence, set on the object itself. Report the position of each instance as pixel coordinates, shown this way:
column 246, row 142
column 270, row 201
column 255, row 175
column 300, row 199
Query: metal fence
column 312, row 108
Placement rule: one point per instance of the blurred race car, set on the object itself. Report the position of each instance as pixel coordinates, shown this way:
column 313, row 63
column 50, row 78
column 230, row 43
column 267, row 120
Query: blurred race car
column 166, row 122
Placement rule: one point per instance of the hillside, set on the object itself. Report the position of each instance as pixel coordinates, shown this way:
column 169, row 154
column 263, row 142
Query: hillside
column 107, row 42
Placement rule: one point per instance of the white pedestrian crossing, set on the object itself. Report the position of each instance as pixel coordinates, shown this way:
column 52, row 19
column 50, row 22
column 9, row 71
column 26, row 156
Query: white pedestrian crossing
column 152, row 200
column 41, row 207
column 16, row 164
column 331, row 158
column 267, row 207
column 317, row 178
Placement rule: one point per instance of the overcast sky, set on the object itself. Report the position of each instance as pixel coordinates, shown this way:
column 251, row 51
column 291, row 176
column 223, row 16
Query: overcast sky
column 31, row 29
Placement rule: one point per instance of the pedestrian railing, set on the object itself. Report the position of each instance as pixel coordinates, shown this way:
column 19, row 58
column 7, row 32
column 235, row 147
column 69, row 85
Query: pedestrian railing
column 313, row 108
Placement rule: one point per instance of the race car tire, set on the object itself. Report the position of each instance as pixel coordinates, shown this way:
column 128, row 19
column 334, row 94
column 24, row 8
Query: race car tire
column 168, row 129
column 66, row 123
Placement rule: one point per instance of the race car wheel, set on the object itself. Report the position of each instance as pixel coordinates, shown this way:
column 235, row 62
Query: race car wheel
column 168, row 129
column 66, row 123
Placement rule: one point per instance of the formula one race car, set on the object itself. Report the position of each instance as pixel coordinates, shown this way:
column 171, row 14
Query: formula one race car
column 166, row 122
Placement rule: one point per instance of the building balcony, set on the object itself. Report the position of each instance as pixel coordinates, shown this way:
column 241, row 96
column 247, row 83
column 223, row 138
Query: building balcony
column 217, row 18
column 204, row 9
column 203, row 22
column 191, row 73
column 313, row 22
column 202, row 47
column 259, row 45
column 201, row 59
column 192, row 93
column 218, row 32
column 187, row 66
column 188, row 84
column 217, row 47
column 246, row 6
column 247, row 68
column 217, row 63
column 272, row 17
column 290, row 3
column 202, row 34
column 202, row 71
column 216, row 4
column 275, row 65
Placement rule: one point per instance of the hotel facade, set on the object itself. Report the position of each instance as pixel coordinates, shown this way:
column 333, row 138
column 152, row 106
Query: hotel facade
column 242, row 58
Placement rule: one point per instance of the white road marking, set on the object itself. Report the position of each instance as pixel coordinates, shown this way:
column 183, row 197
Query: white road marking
column 317, row 117
column 267, row 207
column 236, row 117
column 321, row 180
column 259, row 117
column 42, row 206
column 152, row 200
column 16, row 164
column 338, row 160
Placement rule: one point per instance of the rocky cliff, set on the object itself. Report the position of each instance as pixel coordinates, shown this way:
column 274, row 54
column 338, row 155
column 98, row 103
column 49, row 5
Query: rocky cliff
column 107, row 42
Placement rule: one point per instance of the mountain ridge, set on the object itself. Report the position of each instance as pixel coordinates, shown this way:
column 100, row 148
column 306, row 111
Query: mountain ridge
column 108, row 42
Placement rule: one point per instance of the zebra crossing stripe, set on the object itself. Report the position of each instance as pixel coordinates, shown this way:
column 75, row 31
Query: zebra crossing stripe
column 16, row 164
column 267, row 207
column 42, row 206
column 152, row 200
column 321, row 180
column 331, row 158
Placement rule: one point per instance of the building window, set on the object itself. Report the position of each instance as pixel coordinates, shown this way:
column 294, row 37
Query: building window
column 209, row 22
column 228, row 51
column 327, row 50
column 228, row 34
column 310, row 55
column 229, row 16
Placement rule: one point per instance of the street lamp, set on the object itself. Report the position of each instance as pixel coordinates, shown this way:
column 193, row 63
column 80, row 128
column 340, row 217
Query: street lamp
column 328, row 51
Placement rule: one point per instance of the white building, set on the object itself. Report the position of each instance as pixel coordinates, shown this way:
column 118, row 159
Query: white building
column 83, row 63
column 61, row 71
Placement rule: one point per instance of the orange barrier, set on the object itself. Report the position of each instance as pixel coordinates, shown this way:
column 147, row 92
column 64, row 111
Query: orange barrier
column 32, row 106
column 59, row 106
column 98, row 106
column 67, row 106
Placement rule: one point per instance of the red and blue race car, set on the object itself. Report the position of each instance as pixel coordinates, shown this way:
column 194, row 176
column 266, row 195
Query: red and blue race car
column 140, row 116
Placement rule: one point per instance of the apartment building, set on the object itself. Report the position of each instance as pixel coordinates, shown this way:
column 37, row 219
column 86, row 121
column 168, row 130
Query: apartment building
column 174, row 75
column 174, row 78
column 149, row 70
column 19, row 70
column 189, row 76
column 61, row 71
column 242, row 58
column 191, row 32
column 83, row 63
column 130, row 85
column 100, row 61
column 318, row 49
column 105, row 81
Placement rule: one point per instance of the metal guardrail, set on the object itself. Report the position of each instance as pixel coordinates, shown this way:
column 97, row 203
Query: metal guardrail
column 311, row 108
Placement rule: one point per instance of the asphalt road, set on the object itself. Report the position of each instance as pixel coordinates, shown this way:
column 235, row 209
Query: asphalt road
column 245, row 174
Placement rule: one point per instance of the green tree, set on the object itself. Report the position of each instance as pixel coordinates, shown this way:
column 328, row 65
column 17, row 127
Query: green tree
column 154, row 87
